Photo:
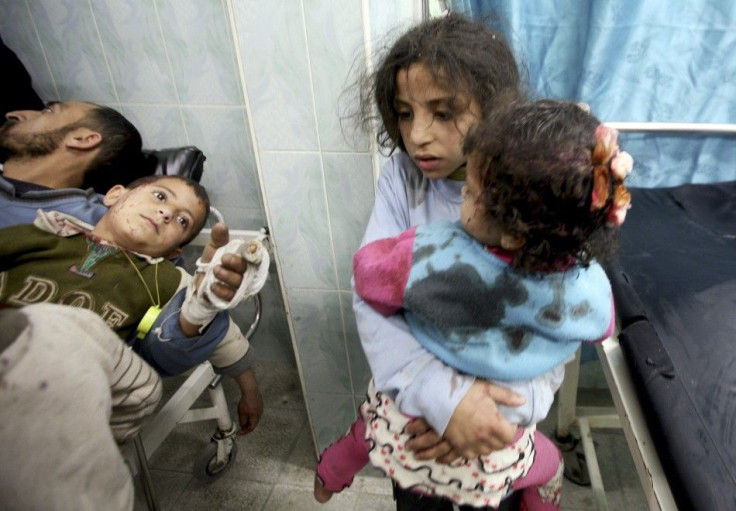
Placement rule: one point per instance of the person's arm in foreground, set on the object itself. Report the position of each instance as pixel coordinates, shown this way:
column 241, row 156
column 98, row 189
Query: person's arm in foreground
column 71, row 389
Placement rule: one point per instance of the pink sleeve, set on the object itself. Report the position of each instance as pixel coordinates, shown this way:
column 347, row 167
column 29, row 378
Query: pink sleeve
column 381, row 269
column 611, row 326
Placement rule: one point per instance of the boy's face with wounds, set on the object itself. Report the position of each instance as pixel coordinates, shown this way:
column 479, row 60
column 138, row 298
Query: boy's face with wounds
column 153, row 219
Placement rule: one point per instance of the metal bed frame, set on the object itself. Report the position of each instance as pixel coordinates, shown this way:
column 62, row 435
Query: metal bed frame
column 627, row 411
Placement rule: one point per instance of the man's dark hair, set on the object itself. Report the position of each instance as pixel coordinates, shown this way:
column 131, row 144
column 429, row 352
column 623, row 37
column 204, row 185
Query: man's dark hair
column 120, row 158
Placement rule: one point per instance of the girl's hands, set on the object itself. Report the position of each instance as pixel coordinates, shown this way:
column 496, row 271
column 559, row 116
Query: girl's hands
column 476, row 428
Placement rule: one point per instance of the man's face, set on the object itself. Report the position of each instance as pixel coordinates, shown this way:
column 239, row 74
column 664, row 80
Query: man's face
column 32, row 133
column 152, row 219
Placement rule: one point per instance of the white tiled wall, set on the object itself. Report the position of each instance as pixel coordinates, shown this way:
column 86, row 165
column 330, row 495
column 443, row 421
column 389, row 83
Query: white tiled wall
column 173, row 68
column 319, row 188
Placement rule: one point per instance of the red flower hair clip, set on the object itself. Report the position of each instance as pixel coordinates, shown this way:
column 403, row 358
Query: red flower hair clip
column 610, row 168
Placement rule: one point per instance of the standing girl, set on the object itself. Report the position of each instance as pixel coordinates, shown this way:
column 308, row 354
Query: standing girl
column 506, row 293
column 435, row 83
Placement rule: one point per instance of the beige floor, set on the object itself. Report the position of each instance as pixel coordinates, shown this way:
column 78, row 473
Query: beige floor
column 274, row 466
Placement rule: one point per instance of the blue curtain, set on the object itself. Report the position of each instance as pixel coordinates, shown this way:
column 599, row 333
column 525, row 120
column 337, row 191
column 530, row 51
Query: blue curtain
column 634, row 60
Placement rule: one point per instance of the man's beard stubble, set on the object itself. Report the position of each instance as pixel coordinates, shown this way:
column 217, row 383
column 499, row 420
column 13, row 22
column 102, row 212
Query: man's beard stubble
column 27, row 146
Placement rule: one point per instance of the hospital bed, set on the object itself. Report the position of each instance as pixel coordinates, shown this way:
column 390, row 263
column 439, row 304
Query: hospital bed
column 180, row 408
column 671, row 368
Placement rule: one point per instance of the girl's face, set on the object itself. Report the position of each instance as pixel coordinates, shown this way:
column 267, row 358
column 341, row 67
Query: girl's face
column 433, row 121
column 473, row 213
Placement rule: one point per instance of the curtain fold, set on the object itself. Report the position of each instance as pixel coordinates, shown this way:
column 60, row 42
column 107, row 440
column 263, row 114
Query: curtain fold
column 633, row 60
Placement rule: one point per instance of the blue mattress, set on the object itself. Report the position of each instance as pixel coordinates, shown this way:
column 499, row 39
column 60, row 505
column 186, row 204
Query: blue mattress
column 675, row 289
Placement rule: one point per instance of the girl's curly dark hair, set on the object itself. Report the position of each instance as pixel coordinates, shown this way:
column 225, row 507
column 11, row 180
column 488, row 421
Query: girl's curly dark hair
column 462, row 55
column 536, row 175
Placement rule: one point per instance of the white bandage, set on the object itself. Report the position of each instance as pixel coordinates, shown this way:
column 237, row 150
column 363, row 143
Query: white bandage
column 201, row 304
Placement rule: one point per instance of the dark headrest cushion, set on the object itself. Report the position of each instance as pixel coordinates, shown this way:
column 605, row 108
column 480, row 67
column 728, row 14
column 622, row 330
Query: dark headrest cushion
column 180, row 161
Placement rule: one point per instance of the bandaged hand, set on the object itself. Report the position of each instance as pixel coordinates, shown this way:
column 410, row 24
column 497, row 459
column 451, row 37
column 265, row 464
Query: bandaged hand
column 209, row 292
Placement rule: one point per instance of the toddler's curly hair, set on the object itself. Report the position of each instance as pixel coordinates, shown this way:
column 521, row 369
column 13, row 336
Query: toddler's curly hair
column 536, row 175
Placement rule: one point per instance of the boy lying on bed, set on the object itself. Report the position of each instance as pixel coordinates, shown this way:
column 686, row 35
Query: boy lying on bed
column 56, row 159
column 119, row 268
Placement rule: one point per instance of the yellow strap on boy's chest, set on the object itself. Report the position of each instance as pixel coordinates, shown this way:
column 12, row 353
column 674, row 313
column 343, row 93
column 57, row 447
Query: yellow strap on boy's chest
column 147, row 322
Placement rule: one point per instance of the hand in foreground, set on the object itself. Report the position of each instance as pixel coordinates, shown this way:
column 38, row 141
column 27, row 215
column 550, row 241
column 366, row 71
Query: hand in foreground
column 250, row 407
column 228, row 276
column 230, row 272
column 476, row 427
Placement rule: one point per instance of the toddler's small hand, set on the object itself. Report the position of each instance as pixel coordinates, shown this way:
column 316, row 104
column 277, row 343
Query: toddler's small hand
column 427, row 444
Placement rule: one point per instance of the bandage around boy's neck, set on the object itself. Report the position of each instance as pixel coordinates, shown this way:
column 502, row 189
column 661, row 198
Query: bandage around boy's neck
column 201, row 304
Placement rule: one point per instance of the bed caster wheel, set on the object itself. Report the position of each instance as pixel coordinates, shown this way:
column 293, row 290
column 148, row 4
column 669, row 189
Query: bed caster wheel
column 210, row 465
